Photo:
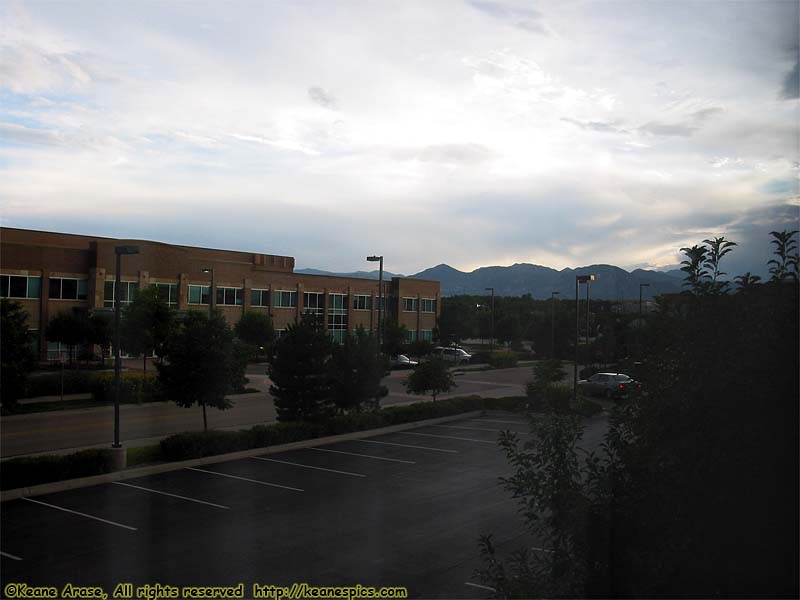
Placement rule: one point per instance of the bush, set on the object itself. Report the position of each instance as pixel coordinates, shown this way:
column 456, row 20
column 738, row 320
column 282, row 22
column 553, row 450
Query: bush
column 75, row 382
column 587, row 408
column 587, row 372
column 134, row 387
column 503, row 360
column 481, row 357
column 185, row 446
column 525, row 354
column 33, row 470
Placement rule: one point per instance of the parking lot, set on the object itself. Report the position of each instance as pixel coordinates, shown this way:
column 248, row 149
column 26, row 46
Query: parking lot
column 399, row 509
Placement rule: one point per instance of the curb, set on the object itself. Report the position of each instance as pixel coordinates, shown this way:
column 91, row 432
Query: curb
column 71, row 484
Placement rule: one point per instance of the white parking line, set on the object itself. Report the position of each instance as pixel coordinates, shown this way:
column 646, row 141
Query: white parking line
column 285, row 487
column 11, row 556
column 75, row 512
column 407, row 446
column 476, row 429
column 480, row 587
column 496, row 421
column 408, row 462
column 448, row 437
column 168, row 494
column 286, row 462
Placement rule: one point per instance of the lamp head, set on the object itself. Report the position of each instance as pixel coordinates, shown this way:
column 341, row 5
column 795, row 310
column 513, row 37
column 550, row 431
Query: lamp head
column 374, row 258
column 584, row 278
column 208, row 270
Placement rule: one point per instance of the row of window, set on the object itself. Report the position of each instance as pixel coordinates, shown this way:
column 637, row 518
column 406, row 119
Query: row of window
column 427, row 305
column 65, row 288
column 425, row 335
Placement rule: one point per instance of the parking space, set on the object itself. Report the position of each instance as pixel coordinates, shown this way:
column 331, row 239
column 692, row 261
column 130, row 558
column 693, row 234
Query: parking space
column 404, row 508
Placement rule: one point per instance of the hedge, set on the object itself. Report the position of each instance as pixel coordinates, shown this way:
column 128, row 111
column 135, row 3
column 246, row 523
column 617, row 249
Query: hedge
column 503, row 360
column 75, row 382
column 134, row 387
column 33, row 470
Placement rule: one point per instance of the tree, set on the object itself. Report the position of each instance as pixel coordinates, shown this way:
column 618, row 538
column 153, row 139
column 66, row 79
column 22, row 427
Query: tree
column 430, row 376
column 203, row 363
column 101, row 331
column 299, row 373
column 786, row 265
column 355, row 370
column 69, row 328
column 419, row 348
column 394, row 337
column 16, row 354
column 509, row 328
column 746, row 282
column 696, row 275
column 717, row 248
column 146, row 324
column 256, row 330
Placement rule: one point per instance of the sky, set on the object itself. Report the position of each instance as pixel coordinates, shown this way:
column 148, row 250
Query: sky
column 466, row 132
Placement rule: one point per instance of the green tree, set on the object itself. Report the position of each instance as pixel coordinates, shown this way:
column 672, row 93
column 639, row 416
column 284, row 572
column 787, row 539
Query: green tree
column 509, row 328
column 101, row 332
column 746, row 282
column 355, row 371
column 694, row 267
column 203, row 363
column 419, row 348
column 299, row 372
column 70, row 328
column 430, row 376
column 717, row 248
column 256, row 330
column 146, row 325
column 394, row 337
column 16, row 354
column 786, row 265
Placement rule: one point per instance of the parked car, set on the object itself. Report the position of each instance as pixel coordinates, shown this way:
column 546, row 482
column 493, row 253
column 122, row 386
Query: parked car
column 456, row 356
column 608, row 385
column 401, row 361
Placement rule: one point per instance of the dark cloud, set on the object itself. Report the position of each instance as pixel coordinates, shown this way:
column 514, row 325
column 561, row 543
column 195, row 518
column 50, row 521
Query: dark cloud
column 791, row 84
column 446, row 153
column 528, row 19
column 599, row 126
column 668, row 129
column 322, row 97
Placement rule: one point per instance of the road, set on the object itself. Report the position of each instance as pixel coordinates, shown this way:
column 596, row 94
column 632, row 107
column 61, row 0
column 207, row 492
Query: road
column 147, row 423
column 398, row 509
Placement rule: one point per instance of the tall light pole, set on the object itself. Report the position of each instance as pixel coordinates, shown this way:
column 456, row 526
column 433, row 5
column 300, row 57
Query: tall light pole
column 578, row 279
column 641, row 285
column 119, row 251
column 212, row 292
column 491, row 346
column 553, row 324
column 379, row 259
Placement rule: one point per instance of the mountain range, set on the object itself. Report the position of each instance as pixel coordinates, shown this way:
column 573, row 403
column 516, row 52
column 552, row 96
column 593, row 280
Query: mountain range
column 611, row 283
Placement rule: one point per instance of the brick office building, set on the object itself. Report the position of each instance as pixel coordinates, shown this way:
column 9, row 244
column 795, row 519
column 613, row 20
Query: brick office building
column 53, row 272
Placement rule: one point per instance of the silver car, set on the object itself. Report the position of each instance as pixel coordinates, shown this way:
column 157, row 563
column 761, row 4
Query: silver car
column 456, row 356
column 608, row 385
column 401, row 361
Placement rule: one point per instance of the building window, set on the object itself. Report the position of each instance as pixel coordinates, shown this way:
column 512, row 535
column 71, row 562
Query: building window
column 409, row 305
column 428, row 305
column 199, row 294
column 284, row 299
column 362, row 302
column 411, row 335
column 20, row 286
column 314, row 303
column 279, row 333
column 259, row 297
column 229, row 296
column 68, row 288
column 168, row 292
column 337, row 316
column 128, row 290
column 426, row 335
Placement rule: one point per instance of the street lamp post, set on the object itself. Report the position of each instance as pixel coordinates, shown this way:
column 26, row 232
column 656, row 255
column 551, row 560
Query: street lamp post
column 212, row 292
column 553, row 324
column 491, row 344
column 641, row 285
column 119, row 251
column 578, row 279
column 379, row 260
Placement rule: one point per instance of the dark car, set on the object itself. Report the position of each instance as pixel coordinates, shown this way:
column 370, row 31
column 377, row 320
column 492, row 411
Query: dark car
column 608, row 385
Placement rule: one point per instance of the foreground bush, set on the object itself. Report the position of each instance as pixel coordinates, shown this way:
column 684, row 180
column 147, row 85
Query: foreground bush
column 33, row 470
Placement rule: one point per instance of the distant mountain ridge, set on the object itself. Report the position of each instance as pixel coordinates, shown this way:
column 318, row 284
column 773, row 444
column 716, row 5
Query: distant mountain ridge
column 611, row 283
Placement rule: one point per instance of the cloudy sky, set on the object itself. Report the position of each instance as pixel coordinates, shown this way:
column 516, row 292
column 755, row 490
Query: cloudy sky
column 471, row 132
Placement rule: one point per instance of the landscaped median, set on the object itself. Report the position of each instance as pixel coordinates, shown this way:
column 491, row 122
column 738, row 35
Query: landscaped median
column 18, row 476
